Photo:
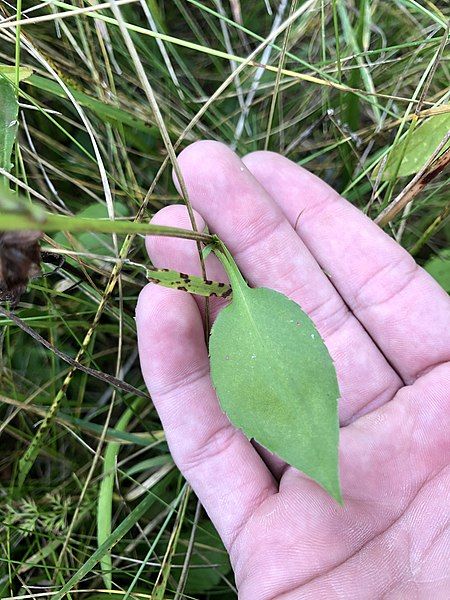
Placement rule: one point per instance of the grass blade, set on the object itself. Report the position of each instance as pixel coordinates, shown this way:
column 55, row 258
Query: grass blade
column 105, row 494
column 125, row 526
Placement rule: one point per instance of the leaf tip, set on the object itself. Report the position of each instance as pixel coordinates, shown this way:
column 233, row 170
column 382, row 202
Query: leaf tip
column 339, row 499
column 334, row 489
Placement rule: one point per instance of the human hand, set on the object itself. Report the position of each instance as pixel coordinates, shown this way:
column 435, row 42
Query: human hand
column 386, row 324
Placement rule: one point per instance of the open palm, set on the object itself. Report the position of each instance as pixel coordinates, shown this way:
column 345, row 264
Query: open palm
column 386, row 324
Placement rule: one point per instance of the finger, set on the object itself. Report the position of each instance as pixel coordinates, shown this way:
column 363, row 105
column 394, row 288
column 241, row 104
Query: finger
column 182, row 255
column 405, row 311
column 222, row 466
column 271, row 254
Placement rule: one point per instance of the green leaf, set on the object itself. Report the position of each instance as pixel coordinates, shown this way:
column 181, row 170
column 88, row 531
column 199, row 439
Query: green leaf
column 9, row 108
column 439, row 267
column 417, row 148
column 188, row 283
column 275, row 378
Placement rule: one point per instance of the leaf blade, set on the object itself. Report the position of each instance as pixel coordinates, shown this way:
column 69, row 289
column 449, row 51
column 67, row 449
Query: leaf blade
column 276, row 380
column 9, row 108
column 411, row 154
column 188, row 283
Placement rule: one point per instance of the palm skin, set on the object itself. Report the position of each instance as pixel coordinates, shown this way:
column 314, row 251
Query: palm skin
column 386, row 325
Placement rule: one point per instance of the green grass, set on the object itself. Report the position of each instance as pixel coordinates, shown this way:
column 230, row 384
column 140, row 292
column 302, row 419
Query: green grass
column 112, row 95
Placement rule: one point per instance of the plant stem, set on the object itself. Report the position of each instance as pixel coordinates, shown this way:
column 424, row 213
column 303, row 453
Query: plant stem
column 230, row 266
column 50, row 222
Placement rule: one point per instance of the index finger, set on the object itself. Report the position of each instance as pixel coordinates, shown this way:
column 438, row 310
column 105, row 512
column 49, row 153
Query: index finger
column 402, row 307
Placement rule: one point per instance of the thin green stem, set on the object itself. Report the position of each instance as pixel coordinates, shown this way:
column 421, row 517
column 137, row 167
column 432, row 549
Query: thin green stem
column 229, row 264
column 50, row 222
